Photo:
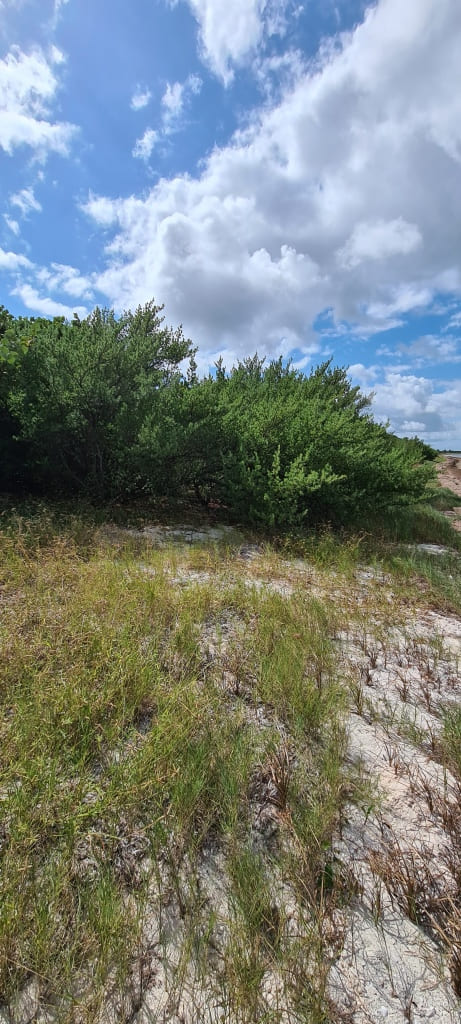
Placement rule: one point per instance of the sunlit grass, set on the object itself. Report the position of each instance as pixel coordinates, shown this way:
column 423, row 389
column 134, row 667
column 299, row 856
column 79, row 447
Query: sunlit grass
column 128, row 751
column 121, row 743
column 451, row 739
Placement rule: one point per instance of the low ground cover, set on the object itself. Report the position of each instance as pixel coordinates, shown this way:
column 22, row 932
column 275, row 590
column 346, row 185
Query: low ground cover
column 185, row 730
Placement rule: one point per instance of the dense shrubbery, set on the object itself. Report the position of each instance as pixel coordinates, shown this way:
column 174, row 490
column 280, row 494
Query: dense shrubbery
column 104, row 408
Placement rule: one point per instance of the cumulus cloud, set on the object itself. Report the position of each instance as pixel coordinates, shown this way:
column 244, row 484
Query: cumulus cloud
column 278, row 72
column 145, row 145
column 342, row 194
column 377, row 240
column 140, row 98
column 44, row 305
column 365, row 376
column 230, row 32
column 28, row 84
column 415, row 405
column 101, row 209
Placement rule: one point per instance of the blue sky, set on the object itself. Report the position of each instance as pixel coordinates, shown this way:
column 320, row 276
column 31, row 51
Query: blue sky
column 284, row 175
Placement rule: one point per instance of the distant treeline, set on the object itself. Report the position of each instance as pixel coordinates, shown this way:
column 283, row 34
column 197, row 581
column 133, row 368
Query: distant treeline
column 112, row 408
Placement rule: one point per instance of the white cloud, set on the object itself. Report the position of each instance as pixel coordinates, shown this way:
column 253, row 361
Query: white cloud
column 44, row 305
column 411, row 427
column 172, row 107
column 416, row 405
column 144, row 146
column 67, row 279
column 402, row 299
column 59, row 277
column 12, row 224
column 365, row 376
column 279, row 72
column 431, row 348
column 25, row 201
column 231, row 31
column 377, row 240
column 351, row 159
column 13, row 261
column 174, row 99
column 28, row 85
column 194, row 84
column 140, row 98
column 306, row 361
column 455, row 321
column 413, row 405
column 102, row 210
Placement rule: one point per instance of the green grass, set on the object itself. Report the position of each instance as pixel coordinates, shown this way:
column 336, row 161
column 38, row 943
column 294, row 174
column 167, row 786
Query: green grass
column 420, row 524
column 150, row 725
column 433, row 580
column 124, row 747
column 444, row 499
column 451, row 739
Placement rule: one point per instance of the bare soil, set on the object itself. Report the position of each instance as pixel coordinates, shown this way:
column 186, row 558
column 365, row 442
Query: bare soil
column 449, row 474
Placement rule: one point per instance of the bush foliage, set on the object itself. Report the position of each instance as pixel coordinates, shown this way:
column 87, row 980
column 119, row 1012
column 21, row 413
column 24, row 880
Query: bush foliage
column 112, row 407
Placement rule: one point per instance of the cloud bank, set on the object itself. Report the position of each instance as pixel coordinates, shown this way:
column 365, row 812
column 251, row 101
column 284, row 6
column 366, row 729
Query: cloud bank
column 322, row 202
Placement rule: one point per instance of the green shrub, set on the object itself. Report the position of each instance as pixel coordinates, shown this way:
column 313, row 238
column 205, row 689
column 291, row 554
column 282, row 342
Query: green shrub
column 102, row 408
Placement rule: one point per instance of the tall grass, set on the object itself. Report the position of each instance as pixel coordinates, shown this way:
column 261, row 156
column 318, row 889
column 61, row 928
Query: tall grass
column 418, row 524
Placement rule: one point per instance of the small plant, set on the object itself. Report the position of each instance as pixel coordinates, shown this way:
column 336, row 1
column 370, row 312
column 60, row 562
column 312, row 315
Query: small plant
column 393, row 757
column 280, row 771
column 407, row 880
column 358, row 697
column 403, row 686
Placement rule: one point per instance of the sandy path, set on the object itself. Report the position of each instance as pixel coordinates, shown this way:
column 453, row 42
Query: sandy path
column 449, row 475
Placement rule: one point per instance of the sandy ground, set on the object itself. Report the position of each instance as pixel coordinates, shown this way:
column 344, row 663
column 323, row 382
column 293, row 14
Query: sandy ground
column 398, row 849
column 449, row 474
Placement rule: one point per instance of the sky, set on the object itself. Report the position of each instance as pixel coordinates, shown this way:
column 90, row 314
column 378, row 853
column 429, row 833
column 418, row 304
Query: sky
column 283, row 175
